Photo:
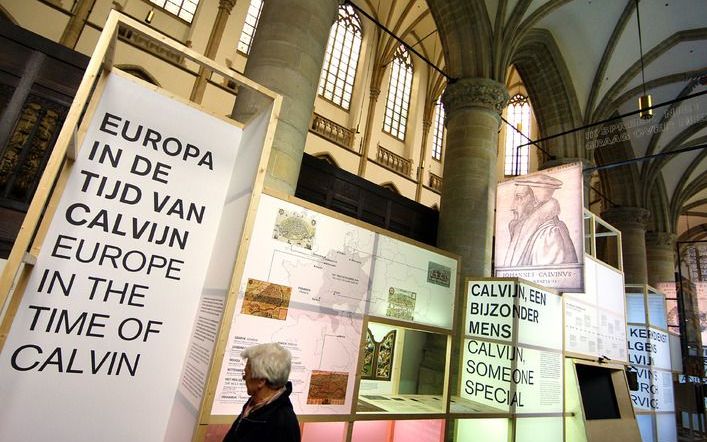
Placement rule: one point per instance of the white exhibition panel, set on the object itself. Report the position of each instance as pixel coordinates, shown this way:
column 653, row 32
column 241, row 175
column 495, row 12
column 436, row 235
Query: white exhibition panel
column 514, row 379
column 645, row 426
column 308, row 274
column 595, row 324
column 648, row 347
column 539, row 429
column 512, row 355
column 103, row 328
column 650, row 354
column 635, row 308
column 218, row 278
column 427, row 279
column 487, row 430
column 667, row 427
column 507, row 310
column 655, row 390
column 657, row 312
column 539, row 229
column 307, row 284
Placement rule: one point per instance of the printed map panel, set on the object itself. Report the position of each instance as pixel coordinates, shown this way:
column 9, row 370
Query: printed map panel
column 305, row 286
column 412, row 284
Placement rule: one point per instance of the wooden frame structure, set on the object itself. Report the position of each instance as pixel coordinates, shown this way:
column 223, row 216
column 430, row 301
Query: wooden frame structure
column 29, row 241
column 348, row 419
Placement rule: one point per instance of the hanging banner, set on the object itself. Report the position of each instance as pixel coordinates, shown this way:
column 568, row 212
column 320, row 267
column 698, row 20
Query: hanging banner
column 540, row 228
column 99, row 341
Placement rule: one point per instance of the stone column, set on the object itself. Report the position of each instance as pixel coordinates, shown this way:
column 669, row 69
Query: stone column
column 224, row 11
column 366, row 143
column 287, row 57
column 426, row 125
column 473, row 109
column 660, row 257
column 632, row 222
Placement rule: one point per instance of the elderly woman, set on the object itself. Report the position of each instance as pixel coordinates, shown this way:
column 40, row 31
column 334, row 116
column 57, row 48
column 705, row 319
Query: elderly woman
column 268, row 415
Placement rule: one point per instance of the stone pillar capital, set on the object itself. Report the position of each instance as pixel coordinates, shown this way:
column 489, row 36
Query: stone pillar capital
column 226, row 5
column 627, row 217
column 475, row 92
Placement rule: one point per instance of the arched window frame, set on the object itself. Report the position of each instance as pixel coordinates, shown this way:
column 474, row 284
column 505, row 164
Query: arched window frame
column 518, row 114
column 341, row 59
column 250, row 26
column 184, row 9
column 397, row 104
column 438, row 131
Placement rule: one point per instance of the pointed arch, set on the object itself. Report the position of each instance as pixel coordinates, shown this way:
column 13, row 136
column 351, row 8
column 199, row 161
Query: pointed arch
column 326, row 157
column 391, row 186
column 336, row 82
column 550, row 88
column 139, row 72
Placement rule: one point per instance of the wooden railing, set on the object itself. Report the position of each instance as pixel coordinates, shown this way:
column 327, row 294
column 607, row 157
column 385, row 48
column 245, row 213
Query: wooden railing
column 393, row 161
column 435, row 182
column 333, row 132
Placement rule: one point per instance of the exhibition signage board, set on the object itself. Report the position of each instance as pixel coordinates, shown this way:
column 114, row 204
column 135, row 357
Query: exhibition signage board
column 512, row 349
column 540, row 228
column 649, row 352
column 104, row 324
column 595, row 321
column 309, row 282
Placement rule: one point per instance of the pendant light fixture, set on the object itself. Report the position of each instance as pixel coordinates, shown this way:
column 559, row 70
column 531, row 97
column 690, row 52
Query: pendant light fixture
column 644, row 101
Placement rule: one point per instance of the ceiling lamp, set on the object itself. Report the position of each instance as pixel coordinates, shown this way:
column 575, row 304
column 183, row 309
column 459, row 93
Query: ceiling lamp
column 645, row 102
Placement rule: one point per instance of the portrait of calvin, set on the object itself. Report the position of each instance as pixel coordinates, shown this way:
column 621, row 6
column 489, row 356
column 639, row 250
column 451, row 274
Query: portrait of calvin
column 538, row 236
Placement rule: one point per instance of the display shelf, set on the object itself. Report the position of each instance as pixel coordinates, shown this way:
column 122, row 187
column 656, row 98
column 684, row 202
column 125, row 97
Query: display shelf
column 403, row 371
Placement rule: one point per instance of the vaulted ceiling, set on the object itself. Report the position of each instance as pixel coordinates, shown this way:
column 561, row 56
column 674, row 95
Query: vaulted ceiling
column 591, row 48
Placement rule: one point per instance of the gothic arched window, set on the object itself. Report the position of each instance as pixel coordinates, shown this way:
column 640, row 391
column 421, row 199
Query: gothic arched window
column 438, row 131
column 341, row 59
column 398, row 101
column 250, row 25
column 518, row 115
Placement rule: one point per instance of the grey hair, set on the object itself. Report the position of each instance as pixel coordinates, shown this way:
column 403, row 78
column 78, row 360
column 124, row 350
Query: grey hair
column 270, row 362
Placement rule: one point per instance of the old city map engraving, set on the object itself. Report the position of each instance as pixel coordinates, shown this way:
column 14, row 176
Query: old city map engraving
column 401, row 304
column 266, row 299
column 294, row 228
column 327, row 387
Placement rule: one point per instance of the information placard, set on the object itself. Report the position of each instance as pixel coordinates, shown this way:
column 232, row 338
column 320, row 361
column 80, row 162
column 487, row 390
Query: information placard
column 512, row 378
column 512, row 355
column 110, row 303
column 305, row 286
column 595, row 323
